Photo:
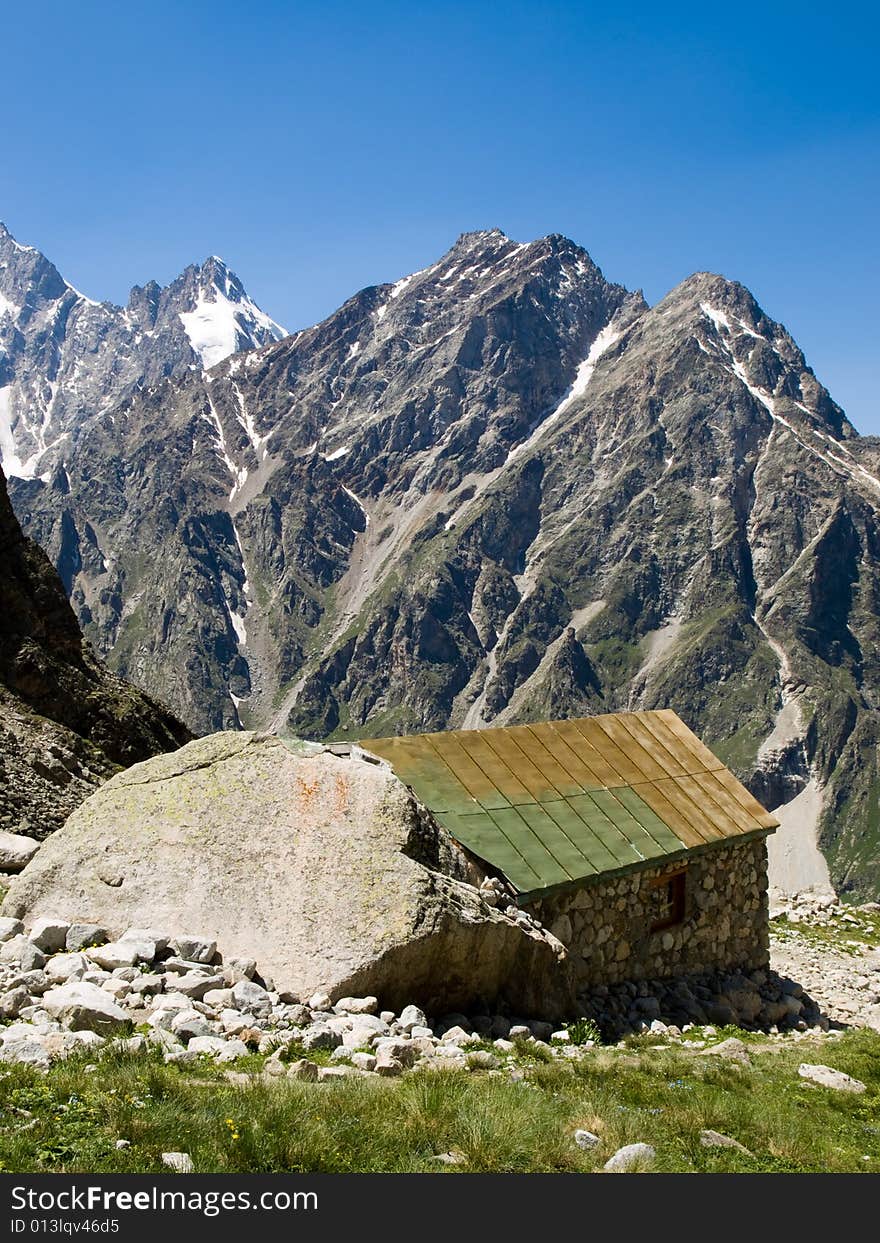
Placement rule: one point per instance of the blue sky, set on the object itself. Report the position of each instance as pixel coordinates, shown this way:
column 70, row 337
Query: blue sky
column 321, row 147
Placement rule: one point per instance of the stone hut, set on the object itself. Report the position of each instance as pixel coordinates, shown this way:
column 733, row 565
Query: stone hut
column 623, row 834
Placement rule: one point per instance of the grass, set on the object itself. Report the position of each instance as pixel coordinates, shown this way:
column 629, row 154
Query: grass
column 835, row 932
column 68, row 1119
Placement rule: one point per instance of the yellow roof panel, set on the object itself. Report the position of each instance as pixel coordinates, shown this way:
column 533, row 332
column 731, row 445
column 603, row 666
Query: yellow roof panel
column 555, row 802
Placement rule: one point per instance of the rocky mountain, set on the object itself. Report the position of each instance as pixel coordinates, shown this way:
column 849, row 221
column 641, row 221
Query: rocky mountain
column 500, row 489
column 66, row 723
column 64, row 356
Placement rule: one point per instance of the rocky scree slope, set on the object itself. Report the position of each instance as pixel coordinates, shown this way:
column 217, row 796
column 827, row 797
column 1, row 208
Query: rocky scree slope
column 498, row 490
column 66, row 723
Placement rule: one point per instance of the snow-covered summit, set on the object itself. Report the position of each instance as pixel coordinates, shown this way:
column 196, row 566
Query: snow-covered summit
column 223, row 319
column 65, row 356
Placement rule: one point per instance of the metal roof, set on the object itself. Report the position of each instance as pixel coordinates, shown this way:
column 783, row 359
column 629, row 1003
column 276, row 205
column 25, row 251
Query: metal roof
column 555, row 803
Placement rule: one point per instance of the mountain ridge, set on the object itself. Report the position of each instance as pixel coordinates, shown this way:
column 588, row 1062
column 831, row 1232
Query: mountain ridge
column 65, row 721
column 498, row 488
column 64, row 355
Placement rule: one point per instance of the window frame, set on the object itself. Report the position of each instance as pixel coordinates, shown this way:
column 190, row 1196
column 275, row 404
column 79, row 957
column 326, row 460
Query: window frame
column 677, row 906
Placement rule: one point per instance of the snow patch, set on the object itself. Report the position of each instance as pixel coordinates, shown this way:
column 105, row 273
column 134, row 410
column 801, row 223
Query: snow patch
column 603, row 342
column 357, row 500
column 238, row 626
column 8, row 308
column 213, row 421
column 718, row 318
column 81, row 296
column 246, row 422
column 219, row 327
column 336, row 454
column 9, row 459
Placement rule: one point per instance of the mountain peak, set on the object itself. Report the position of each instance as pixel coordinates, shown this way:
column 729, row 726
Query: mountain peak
column 6, row 236
column 202, row 317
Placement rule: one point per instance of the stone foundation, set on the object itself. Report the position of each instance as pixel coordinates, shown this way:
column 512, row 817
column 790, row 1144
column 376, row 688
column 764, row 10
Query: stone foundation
column 608, row 925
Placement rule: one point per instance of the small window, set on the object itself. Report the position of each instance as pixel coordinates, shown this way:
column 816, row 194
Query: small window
column 668, row 900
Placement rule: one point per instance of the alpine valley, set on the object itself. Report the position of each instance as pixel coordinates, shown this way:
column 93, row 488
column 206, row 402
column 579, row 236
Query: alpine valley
column 501, row 489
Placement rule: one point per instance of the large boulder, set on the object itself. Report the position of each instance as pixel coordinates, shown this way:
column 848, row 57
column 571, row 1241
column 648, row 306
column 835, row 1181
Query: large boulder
column 323, row 868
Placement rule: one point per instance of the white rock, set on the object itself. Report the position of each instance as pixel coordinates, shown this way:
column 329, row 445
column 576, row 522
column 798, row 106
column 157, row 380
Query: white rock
column 631, row 1156
column 14, row 1001
column 240, row 968
column 133, row 1044
column 232, row 1049
column 233, row 1022
column 251, row 997
column 207, row 1044
column 412, row 1016
column 364, row 1027
column 164, row 1039
column 148, row 982
column 404, row 1051
column 10, row 928
column 733, row 1049
column 62, row 967
column 116, row 987
column 120, row 953
column 320, row 1001
column 31, row 957
column 481, row 1059
column 332, row 1072
column 389, row 1067
column 16, row 851
column 171, row 1002
column 586, row 1139
column 79, row 936
column 195, row 984
column 340, row 1023
column 830, row 1078
column 12, row 948
column 560, row 1037
column 84, row 1039
column 48, row 935
column 219, row 998
column 181, row 1057
column 714, row 1139
column 458, row 1036
column 320, row 1036
column 519, row 1032
column 363, row 1061
column 180, row 1162
column 303, row 1069
column 450, row 1050
column 356, row 1005
column 22, row 1042
column 194, row 949
column 189, row 1023
column 79, row 1006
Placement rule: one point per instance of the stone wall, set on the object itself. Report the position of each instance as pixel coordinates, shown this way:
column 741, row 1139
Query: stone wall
column 607, row 924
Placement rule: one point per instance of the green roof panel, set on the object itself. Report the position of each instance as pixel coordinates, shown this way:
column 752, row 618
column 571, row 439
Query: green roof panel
column 553, row 803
